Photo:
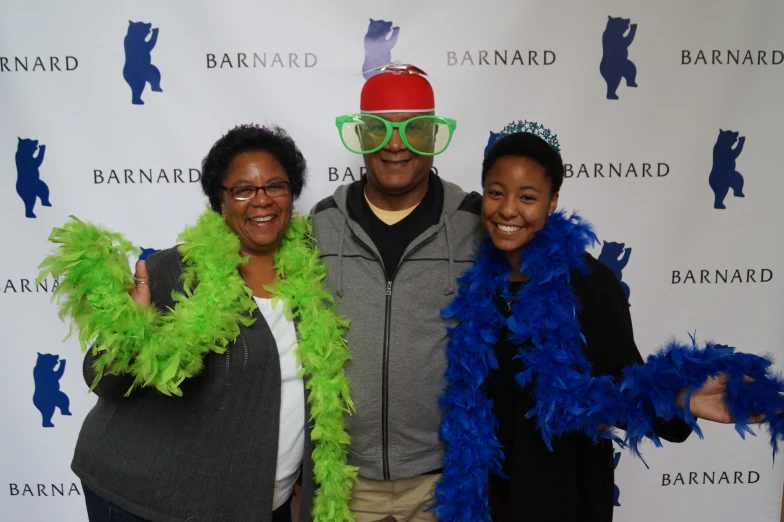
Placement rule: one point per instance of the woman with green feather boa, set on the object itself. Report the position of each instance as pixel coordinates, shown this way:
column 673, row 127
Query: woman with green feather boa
column 219, row 366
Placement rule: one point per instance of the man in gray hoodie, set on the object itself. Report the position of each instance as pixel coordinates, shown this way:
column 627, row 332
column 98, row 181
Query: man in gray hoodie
column 394, row 243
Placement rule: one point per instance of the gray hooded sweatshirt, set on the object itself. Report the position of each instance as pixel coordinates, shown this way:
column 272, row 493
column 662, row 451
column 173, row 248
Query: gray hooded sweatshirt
column 397, row 337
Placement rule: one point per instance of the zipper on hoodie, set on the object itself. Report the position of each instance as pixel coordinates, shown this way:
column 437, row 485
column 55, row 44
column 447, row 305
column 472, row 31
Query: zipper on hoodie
column 385, row 365
column 385, row 382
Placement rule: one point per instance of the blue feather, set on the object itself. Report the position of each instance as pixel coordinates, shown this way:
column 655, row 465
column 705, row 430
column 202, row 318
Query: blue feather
column 568, row 397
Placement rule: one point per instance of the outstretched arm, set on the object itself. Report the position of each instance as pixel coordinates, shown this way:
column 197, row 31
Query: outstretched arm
column 630, row 37
column 153, row 39
column 738, row 148
column 60, row 369
column 40, row 158
column 610, row 348
column 393, row 39
column 625, row 261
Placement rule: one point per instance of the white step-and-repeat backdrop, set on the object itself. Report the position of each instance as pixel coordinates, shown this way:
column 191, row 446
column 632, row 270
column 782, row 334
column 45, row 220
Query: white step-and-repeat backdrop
column 669, row 115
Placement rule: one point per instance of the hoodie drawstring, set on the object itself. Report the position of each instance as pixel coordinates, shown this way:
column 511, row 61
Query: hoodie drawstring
column 450, row 286
column 340, row 257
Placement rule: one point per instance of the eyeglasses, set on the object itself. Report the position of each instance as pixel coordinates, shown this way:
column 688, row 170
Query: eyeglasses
column 366, row 133
column 276, row 189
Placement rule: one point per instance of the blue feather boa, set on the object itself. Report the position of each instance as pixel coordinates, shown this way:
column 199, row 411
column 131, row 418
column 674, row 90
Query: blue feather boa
column 569, row 398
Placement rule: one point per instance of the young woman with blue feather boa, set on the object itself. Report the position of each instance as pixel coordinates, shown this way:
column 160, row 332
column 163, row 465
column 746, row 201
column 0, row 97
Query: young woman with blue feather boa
column 543, row 366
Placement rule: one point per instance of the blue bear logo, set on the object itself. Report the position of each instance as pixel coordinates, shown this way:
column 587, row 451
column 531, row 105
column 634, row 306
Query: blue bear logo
column 615, row 58
column 491, row 141
column 378, row 46
column 138, row 69
column 611, row 256
column 28, row 179
column 47, row 395
column 146, row 252
column 616, row 492
column 723, row 175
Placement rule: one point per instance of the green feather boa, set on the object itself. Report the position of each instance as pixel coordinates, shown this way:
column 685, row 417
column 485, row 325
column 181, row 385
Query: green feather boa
column 161, row 350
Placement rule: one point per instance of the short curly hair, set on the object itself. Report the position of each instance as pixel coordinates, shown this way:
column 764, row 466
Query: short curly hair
column 251, row 138
column 527, row 145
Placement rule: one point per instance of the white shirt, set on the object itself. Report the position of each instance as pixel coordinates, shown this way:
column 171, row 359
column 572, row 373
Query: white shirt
column 291, row 437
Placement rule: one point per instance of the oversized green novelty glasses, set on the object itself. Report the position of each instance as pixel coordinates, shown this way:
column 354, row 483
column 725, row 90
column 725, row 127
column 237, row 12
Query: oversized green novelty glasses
column 367, row 133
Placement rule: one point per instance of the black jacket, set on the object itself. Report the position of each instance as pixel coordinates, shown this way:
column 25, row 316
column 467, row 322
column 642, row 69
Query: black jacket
column 575, row 482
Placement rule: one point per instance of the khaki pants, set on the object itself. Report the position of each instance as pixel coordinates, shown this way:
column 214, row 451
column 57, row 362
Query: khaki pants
column 405, row 500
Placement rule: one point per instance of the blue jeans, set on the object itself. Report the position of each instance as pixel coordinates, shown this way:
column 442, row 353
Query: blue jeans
column 101, row 510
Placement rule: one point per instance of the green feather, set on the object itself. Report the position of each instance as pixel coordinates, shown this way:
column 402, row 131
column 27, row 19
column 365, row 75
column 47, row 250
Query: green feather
column 161, row 350
column 323, row 352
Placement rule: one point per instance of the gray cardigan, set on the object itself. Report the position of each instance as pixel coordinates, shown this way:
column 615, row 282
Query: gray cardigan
column 207, row 456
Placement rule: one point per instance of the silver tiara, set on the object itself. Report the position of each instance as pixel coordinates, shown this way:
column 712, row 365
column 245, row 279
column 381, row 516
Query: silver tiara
column 533, row 128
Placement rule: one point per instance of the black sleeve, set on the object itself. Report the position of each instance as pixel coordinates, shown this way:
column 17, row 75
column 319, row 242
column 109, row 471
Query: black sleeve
column 607, row 326
column 109, row 385
column 164, row 268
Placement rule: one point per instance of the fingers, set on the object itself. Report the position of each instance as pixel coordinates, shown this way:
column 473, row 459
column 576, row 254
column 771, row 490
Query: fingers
column 722, row 378
column 756, row 419
column 141, row 276
column 746, row 378
column 140, row 292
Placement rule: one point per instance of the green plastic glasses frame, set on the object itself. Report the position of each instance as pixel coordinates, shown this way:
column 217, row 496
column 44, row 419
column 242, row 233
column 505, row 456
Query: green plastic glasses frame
column 400, row 126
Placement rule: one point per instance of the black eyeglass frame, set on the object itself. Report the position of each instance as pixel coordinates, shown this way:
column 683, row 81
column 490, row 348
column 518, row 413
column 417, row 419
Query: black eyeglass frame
column 231, row 190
